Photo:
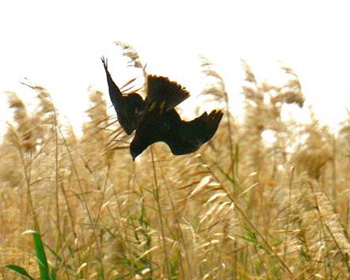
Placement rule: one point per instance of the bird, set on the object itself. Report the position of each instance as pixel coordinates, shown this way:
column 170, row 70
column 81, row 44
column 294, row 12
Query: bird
column 154, row 119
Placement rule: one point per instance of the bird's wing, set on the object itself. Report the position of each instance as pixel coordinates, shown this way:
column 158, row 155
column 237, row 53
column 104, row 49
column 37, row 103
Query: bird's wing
column 189, row 136
column 114, row 92
column 163, row 93
column 130, row 112
column 128, row 107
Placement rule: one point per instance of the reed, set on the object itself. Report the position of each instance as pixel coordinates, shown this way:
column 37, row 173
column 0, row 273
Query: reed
column 239, row 208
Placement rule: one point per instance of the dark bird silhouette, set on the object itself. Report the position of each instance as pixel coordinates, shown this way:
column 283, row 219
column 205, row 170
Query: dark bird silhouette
column 128, row 107
column 155, row 118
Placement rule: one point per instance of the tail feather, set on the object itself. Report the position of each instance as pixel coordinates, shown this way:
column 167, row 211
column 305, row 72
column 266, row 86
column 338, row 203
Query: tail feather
column 164, row 93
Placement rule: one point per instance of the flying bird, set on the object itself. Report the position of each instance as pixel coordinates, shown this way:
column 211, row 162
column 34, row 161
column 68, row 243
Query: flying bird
column 155, row 118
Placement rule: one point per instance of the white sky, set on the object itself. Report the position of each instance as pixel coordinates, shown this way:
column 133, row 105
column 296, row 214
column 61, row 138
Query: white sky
column 58, row 45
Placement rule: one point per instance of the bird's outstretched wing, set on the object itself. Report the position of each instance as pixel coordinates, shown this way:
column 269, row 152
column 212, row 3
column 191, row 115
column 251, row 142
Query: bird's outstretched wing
column 188, row 137
column 163, row 93
column 128, row 107
column 182, row 137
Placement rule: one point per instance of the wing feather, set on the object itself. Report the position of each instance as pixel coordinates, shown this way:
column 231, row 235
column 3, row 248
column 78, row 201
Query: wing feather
column 128, row 107
column 190, row 136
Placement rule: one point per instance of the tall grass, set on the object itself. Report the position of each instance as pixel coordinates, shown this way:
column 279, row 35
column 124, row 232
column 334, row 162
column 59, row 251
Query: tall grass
column 239, row 208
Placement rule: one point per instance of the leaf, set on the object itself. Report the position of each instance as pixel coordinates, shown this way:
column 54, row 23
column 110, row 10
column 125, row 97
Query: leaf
column 41, row 256
column 20, row 270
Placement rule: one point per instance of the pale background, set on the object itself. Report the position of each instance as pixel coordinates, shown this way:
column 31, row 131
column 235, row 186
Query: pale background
column 58, row 45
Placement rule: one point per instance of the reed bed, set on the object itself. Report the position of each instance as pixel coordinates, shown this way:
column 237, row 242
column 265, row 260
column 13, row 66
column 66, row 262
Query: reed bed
column 239, row 208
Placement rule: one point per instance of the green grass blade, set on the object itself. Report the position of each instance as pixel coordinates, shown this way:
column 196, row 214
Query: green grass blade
column 41, row 257
column 20, row 270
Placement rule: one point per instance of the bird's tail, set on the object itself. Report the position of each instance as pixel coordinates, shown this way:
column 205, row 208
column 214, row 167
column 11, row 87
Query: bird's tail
column 163, row 93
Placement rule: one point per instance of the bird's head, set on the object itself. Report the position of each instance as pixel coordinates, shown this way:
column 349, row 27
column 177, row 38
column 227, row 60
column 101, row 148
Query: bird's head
column 136, row 149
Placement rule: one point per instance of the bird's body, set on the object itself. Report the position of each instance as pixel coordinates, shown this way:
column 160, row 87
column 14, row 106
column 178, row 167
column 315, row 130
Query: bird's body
column 155, row 118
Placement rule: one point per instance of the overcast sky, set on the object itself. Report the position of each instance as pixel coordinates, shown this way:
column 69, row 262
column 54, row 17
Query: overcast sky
column 58, row 45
